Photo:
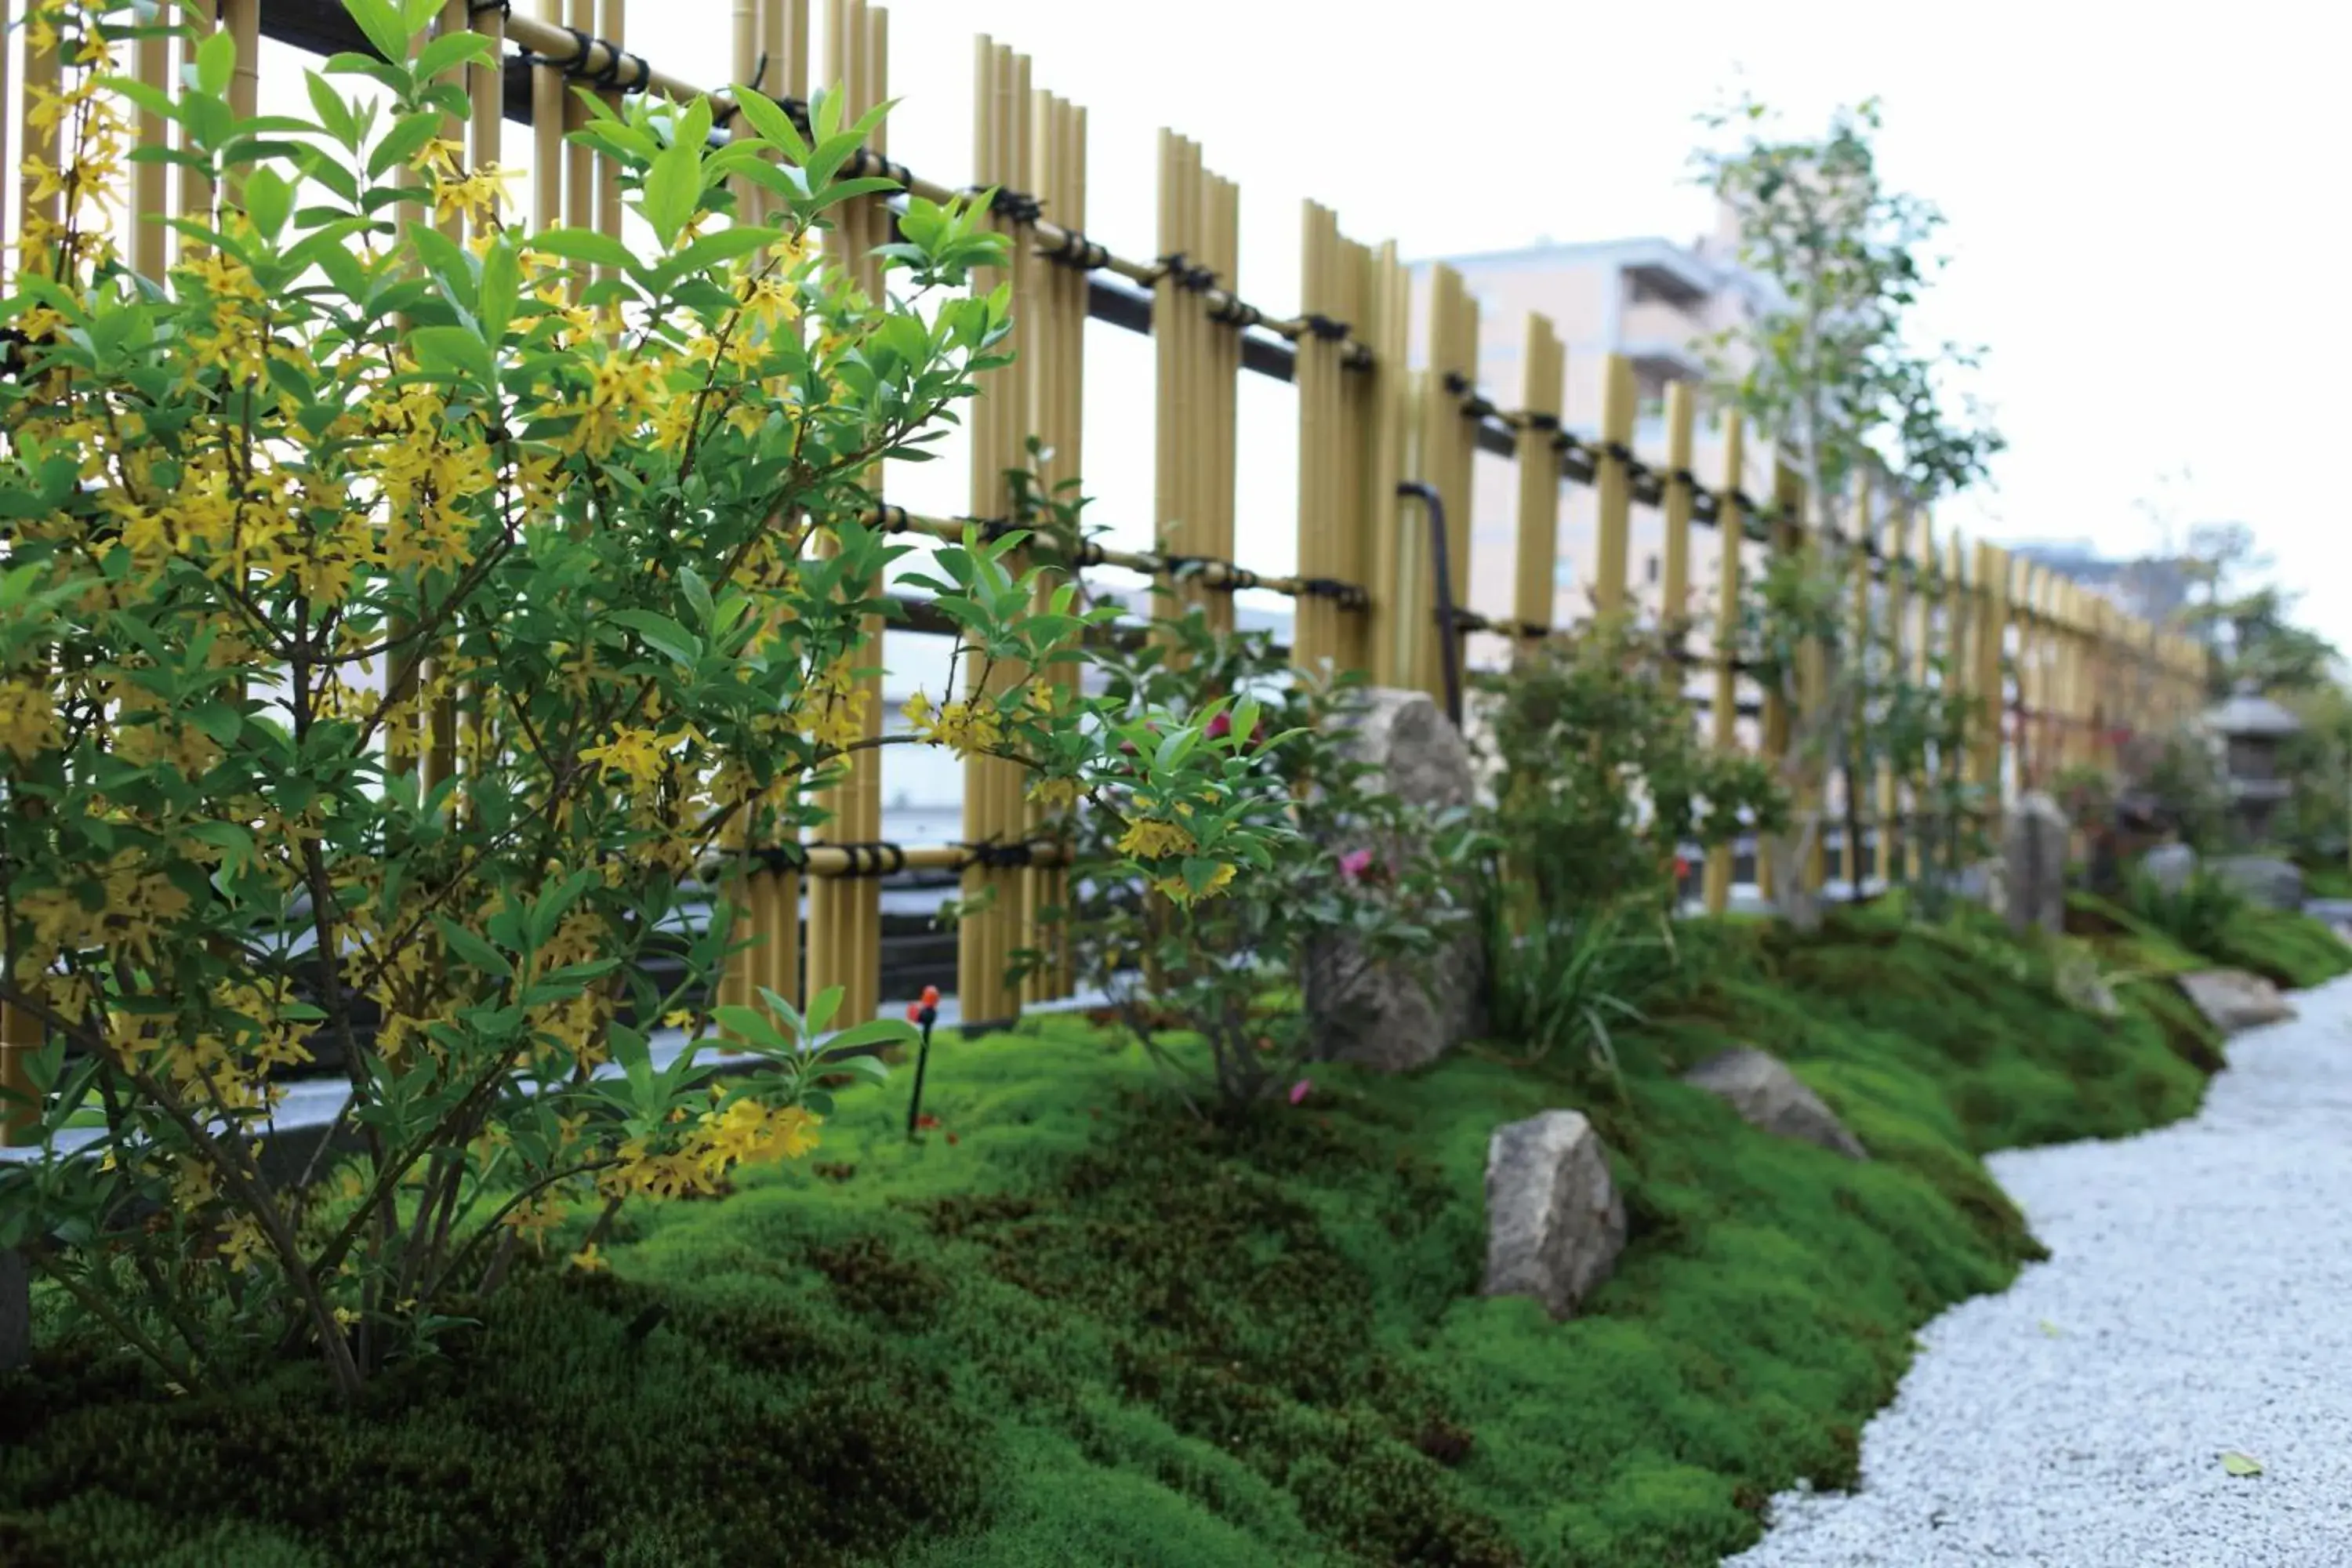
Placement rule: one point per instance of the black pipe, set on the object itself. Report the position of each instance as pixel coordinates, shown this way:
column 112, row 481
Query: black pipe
column 1450, row 641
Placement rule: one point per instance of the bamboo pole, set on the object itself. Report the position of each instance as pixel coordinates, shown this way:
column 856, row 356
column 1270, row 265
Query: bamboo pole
column 993, row 812
column 1892, row 836
column 1388, row 455
column 549, row 117
column 1443, row 443
column 151, row 193
column 1723, row 719
column 1613, row 484
column 195, row 200
column 1543, row 395
column 1322, row 451
column 1858, row 622
column 1924, row 647
column 1675, row 501
column 1991, row 606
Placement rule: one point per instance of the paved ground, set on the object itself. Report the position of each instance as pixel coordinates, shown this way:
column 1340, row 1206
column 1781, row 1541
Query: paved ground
column 2198, row 1303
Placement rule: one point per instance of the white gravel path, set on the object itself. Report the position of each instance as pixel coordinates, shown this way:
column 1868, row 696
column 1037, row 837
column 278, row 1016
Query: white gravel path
column 2197, row 1301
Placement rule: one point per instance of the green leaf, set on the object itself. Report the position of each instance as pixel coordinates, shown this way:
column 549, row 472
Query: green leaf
column 382, row 26
column 713, row 249
column 874, row 1032
column 662, row 634
column 450, row 50
column 752, row 1024
column 584, row 245
column 2239, row 1464
column 217, row 62
column 268, row 197
column 419, row 13
column 442, row 350
column 473, row 948
column 772, row 122
column 673, row 186
column 502, row 289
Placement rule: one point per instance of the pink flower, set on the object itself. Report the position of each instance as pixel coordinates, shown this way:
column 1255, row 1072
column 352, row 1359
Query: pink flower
column 1299, row 1091
column 1355, row 865
column 1221, row 726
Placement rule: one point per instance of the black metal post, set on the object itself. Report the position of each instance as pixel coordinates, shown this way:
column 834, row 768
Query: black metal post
column 1449, row 642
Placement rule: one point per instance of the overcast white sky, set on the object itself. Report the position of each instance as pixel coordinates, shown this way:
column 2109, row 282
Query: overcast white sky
column 2144, row 218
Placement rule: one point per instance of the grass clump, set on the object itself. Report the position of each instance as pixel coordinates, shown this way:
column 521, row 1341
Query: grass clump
column 1092, row 1328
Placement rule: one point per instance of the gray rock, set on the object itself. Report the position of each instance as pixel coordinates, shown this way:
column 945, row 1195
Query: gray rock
column 2170, row 866
column 2233, row 999
column 1767, row 1095
column 2035, row 844
column 1388, row 1015
column 15, row 1312
column 1555, row 1224
column 2263, row 878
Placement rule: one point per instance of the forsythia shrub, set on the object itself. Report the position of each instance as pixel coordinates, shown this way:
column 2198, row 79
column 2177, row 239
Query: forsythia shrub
column 392, row 632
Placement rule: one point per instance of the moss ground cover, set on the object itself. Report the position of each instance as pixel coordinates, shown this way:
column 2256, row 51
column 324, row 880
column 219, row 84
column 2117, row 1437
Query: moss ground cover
column 1073, row 1326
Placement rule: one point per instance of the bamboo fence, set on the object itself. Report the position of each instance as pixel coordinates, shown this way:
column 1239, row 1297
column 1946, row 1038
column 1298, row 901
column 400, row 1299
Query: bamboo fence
column 1372, row 423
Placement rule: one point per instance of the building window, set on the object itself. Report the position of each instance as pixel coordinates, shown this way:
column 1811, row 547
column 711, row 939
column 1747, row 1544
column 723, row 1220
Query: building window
column 1649, row 569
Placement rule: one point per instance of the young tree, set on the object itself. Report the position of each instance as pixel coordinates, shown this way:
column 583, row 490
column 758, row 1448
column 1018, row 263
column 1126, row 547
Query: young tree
column 1828, row 362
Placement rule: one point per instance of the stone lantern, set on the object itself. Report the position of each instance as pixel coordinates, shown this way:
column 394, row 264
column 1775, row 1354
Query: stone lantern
column 2251, row 730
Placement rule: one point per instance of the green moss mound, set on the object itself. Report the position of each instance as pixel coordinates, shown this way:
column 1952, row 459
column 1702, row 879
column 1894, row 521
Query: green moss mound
column 1090, row 1330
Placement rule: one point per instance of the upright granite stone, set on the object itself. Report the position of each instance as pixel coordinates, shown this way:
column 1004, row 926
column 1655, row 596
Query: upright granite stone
column 2033, row 850
column 1555, row 1224
column 1386, row 1015
column 1768, row 1096
column 2233, row 999
column 2263, row 878
column 2170, row 866
column 15, row 1312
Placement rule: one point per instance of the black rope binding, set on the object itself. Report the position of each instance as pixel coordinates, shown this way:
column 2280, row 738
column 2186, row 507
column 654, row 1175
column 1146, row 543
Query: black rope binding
column 781, row 858
column 866, row 163
column 1234, row 314
column 1541, row 423
column 998, row 857
column 1347, row 595
column 1325, row 328
column 871, row 858
column 1078, row 252
column 1014, row 206
column 503, row 7
column 1177, row 268
column 892, row 519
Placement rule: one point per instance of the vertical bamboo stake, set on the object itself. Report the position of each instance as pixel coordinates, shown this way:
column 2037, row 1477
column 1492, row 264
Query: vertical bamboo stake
column 1923, row 647
column 994, row 810
column 1989, row 605
column 1444, row 442
column 612, row 25
column 195, row 184
column 1959, row 638
column 1386, row 453
column 547, row 126
column 1892, row 836
column 1057, row 161
column 149, row 187
column 1786, row 537
column 1674, row 592
column 1731, row 526
column 579, row 160
column 1614, row 486
column 44, row 70
column 1543, row 397
column 1858, row 623
column 1315, row 638
column 1178, row 528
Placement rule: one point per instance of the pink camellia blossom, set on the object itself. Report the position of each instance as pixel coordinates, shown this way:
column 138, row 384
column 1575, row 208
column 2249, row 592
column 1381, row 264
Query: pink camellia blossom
column 1355, row 865
column 1221, row 726
column 1299, row 1091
